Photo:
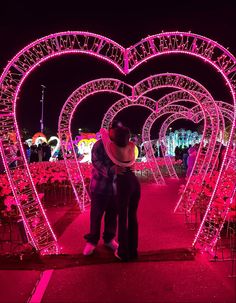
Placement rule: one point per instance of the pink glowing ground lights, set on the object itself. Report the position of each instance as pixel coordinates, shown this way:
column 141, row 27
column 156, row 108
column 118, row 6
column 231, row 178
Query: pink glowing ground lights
column 125, row 60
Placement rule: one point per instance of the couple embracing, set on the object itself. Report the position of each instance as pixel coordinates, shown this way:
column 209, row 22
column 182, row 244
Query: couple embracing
column 115, row 194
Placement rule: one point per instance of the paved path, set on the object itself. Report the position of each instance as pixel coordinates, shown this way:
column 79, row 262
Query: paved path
column 166, row 271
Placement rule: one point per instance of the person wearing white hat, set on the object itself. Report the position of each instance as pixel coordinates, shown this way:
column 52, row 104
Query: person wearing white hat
column 121, row 151
column 102, row 199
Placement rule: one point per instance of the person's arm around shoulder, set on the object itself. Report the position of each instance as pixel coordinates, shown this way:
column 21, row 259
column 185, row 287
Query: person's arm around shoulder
column 99, row 160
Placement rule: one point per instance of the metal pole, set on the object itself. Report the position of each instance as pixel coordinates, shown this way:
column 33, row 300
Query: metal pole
column 42, row 100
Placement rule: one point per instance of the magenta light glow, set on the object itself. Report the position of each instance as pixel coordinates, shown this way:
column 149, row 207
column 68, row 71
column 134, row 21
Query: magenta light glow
column 144, row 102
column 125, row 60
column 64, row 128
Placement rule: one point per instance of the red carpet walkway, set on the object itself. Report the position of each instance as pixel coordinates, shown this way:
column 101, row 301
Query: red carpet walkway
column 166, row 271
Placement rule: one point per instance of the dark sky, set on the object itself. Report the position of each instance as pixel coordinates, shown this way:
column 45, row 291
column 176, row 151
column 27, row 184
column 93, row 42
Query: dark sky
column 123, row 22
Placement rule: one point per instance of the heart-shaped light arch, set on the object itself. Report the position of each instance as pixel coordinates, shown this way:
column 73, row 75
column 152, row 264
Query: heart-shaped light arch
column 120, row 105
column 163, row 83
column 119, row 87
column 145, row 102
column 194, row 114
column 125, row 60
column 148, row 103
column 202, row 96
column 188, row 115
column 167, row 100
column 64, row 127
column 153, row 117
column 196, row 118
column 185, row 96
column 178, row 96
column 214, row 218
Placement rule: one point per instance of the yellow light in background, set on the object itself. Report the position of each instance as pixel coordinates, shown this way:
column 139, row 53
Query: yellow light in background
column 136, row 152
column 85, row 145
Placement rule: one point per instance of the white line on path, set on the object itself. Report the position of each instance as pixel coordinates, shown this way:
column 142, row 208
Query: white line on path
column 40, row 288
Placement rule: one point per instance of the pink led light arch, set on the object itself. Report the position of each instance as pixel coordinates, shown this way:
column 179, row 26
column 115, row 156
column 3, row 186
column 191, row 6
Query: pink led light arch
column 167, row 109
column 13, row 76
column 186, row 43
column 196, row 118
column 225, row 108
column 186, row 97
column 79, row 95
column 145, row 86
column 144, row 102
column 210, row 224
column 206, row 49
column 167, row 100
column 125, row 60
column 162, row 137
column 123, row 103
column 203, row 98
column 164, row 101
column 180, row 95
column 214, row 218
column 91, row 87
column 64, row 127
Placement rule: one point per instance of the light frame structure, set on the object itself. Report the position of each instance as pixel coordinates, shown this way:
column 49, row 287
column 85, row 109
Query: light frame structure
column 86, row 90
column 196, row 118
column 125, row 60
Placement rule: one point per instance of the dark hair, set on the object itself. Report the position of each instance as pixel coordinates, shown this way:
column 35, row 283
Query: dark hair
column 120, row 135
column 116, row 123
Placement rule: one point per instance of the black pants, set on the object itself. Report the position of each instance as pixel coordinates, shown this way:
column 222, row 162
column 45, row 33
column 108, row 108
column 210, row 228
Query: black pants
column 102, row 205
column 128, row 196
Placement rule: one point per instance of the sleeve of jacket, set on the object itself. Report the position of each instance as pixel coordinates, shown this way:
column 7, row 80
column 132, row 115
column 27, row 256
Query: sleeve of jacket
column 101, row 162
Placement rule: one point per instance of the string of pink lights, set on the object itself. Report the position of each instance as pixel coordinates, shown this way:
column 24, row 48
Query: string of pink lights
column 29, row 58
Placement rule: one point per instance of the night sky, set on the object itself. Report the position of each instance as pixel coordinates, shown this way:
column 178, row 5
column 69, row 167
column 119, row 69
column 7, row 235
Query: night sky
column 124, row 23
